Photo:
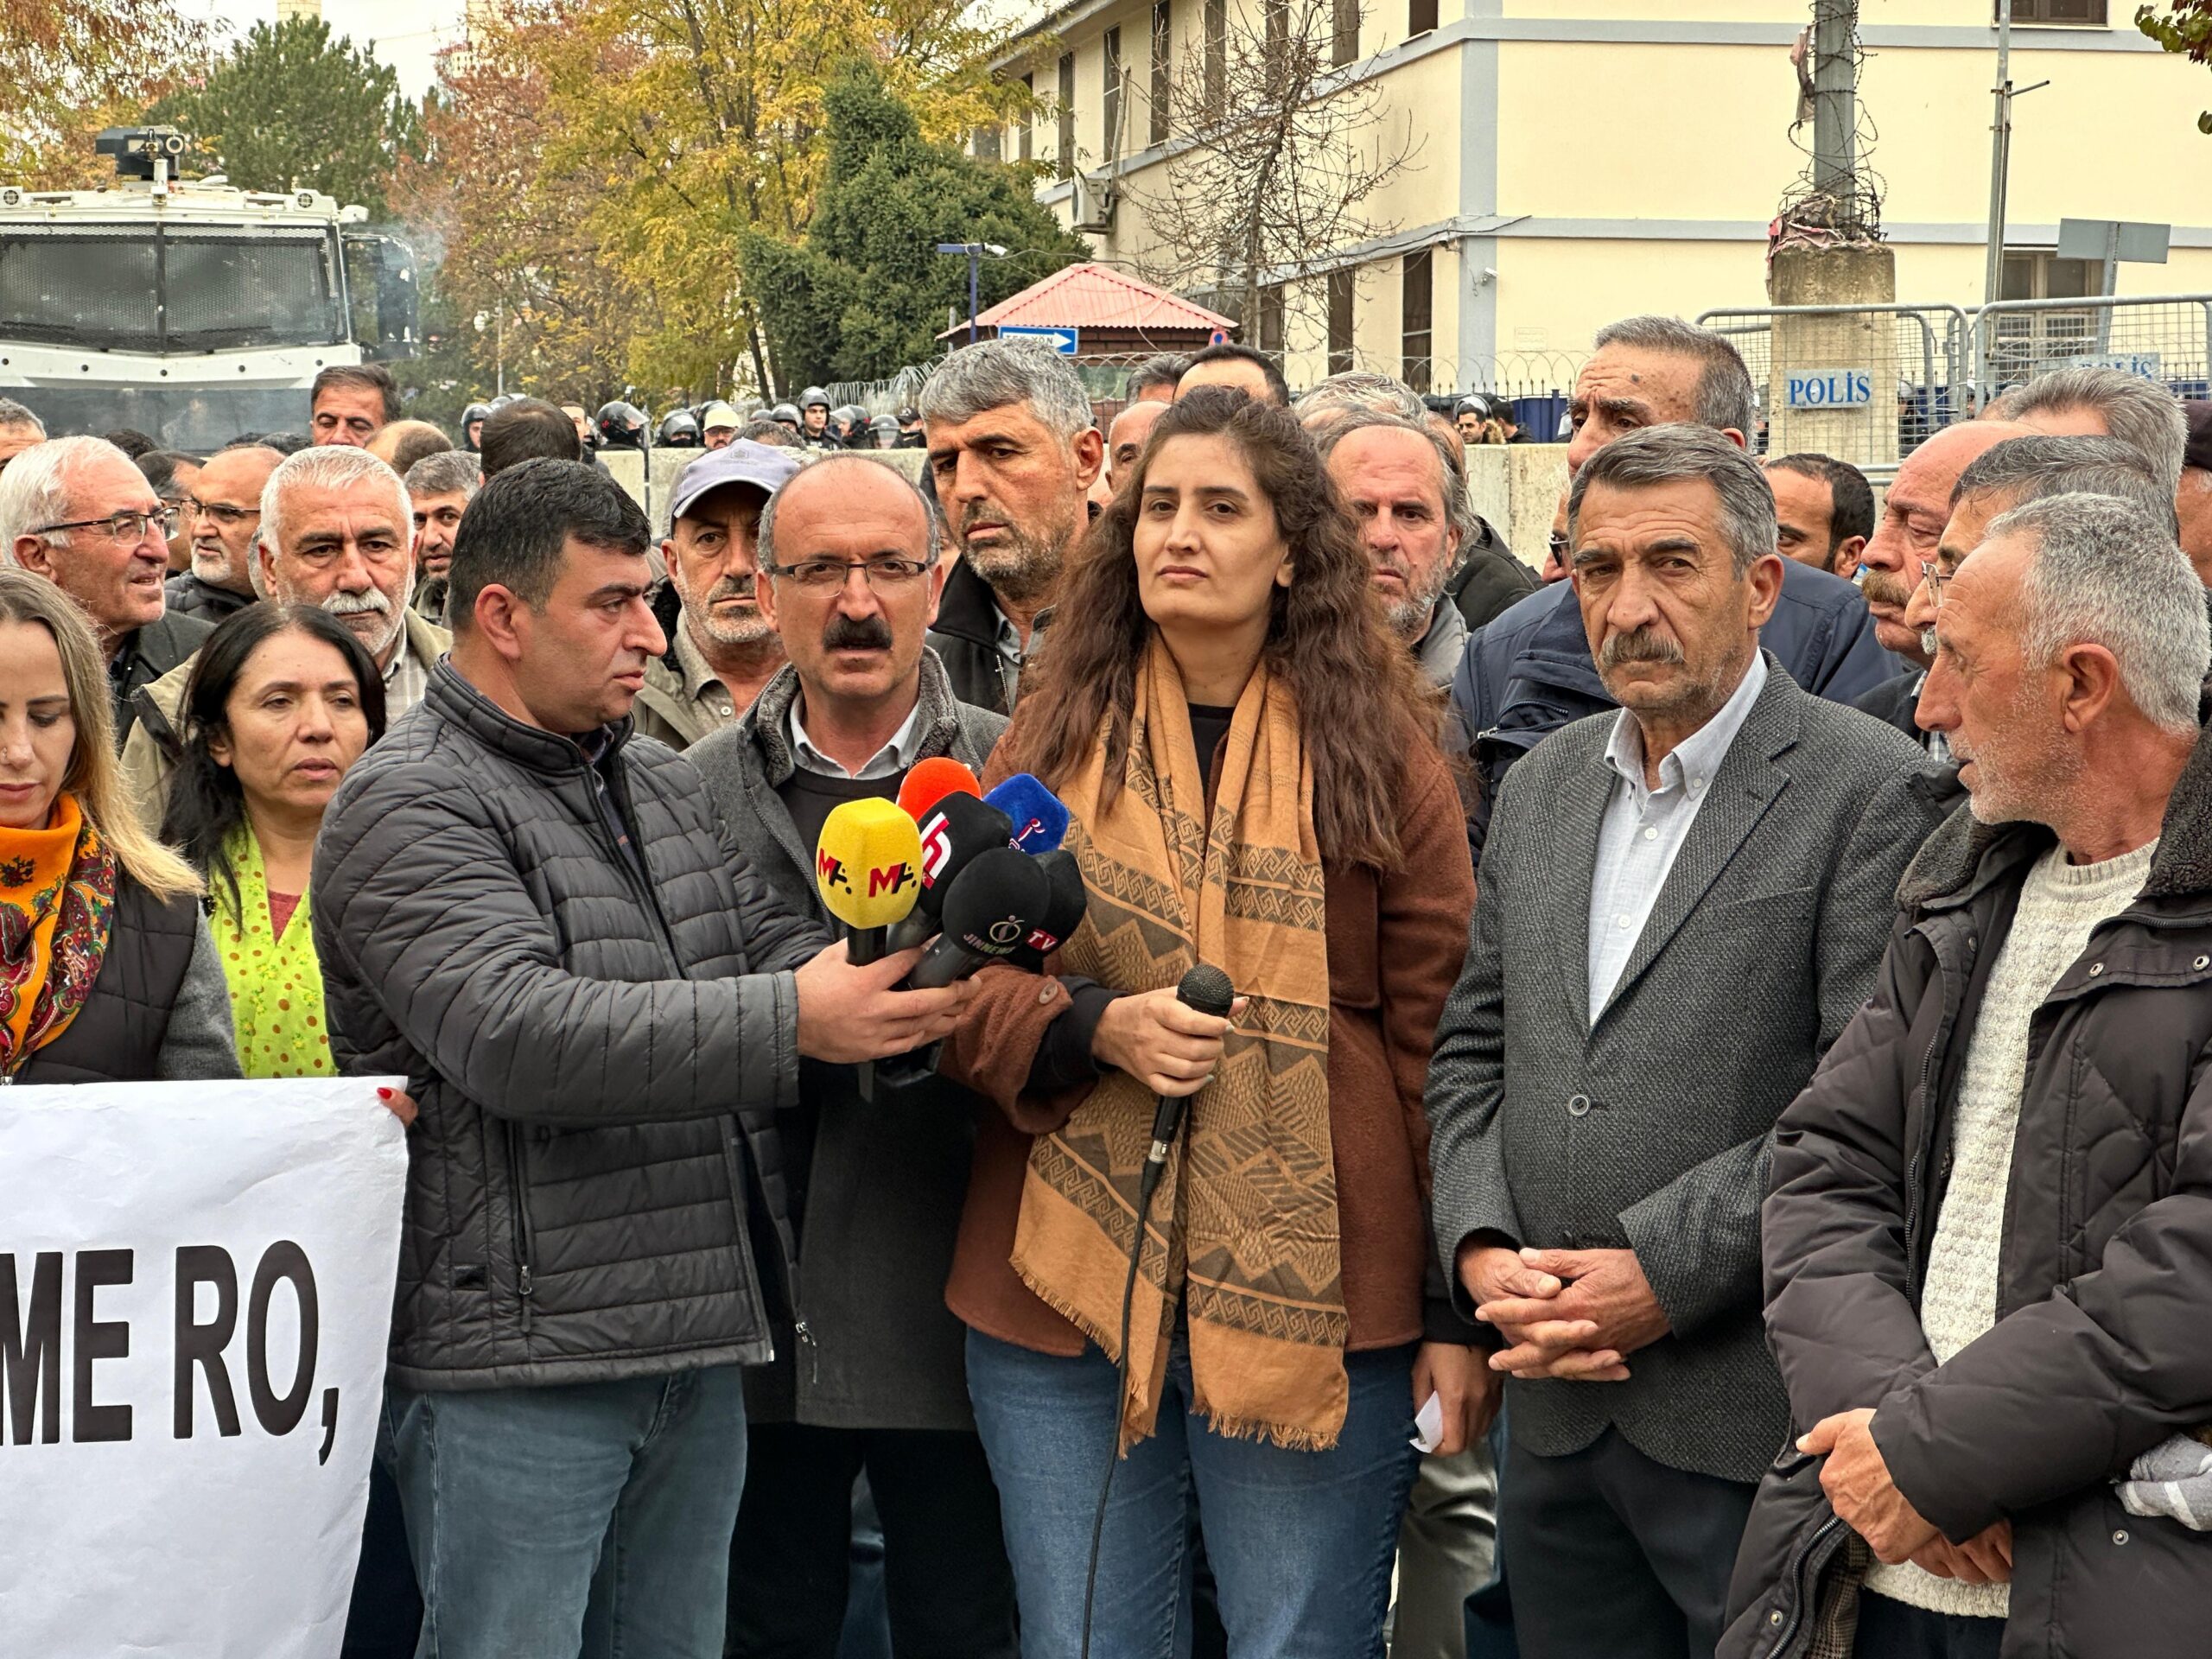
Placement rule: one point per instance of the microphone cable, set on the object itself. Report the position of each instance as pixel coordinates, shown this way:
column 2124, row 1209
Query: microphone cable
column 1207, row 989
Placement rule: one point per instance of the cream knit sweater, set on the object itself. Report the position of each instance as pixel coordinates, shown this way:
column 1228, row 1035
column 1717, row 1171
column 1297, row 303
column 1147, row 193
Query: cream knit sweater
column 2060, row 905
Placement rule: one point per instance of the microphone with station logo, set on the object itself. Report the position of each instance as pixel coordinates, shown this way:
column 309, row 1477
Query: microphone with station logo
column 868, row 867
column 954, row 832
column 1039, row 817
column 988, row 912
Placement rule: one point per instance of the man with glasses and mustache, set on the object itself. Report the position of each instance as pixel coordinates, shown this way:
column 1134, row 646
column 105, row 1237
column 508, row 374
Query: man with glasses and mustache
column 852, row 566
column 1683, row 902
column 79, row 512
column 222, row 516
column 722, row 649
column 337, row 530
column 1012, row 455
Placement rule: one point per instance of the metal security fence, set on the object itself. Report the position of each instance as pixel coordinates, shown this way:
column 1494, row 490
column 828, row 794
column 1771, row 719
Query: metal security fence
column 1866, row 383
column 2166, row 338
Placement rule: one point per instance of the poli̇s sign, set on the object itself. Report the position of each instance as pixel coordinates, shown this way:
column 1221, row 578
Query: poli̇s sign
column 1828, row 389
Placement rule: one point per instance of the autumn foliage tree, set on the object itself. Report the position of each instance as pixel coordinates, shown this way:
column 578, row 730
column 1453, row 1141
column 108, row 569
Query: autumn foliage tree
column 517, row 280
column 700, row 120
column 73, row 67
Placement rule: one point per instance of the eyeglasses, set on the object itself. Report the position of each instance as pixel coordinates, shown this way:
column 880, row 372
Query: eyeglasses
column 881, row 575
column 1937, row 580
column 221, row 514
column 1559, row 544
column 125, row 529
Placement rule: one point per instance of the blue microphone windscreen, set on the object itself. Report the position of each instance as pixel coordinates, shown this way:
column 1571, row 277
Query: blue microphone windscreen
column 1041, row 821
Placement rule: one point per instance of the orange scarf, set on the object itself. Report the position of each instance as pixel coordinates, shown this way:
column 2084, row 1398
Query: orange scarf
column 57, row 903
column 1244, row 1234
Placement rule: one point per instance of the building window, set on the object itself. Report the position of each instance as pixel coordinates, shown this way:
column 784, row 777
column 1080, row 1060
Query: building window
column 1277, row 13
column 1216, row 42
column 1343, row 42
column 1065, row 114
column 1271, row 321
column 987, row 143
column 1420, row 17
column 2024, row 344
column 1163, row 35
column 1027, row 143
column 2083, row 14
column 1340, row 282
column 1113, row 89
column 1417, row 339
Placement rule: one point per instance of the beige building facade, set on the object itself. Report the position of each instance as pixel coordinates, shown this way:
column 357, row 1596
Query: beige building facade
column 1580, row 160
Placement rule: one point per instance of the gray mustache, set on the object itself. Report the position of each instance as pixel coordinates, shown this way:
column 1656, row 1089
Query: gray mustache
column 1639, row 645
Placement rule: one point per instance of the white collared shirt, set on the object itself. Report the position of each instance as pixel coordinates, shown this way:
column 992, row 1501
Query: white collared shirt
column 1643, row 828
column 894, row 757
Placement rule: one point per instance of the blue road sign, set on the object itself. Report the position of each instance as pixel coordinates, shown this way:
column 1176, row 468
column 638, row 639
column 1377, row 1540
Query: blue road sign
column 1062, row 340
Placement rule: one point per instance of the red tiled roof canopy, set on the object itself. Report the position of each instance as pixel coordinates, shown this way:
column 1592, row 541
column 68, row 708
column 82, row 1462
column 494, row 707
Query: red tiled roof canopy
column 1095, row 296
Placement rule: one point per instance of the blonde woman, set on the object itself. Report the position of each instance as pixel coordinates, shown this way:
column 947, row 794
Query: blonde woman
column 107, row 972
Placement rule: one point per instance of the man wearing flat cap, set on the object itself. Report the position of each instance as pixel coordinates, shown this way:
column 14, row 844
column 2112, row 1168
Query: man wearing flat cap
column 723, row 650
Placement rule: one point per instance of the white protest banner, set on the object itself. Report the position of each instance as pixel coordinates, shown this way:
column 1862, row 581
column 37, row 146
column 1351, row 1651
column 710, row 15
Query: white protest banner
column 195, row 1292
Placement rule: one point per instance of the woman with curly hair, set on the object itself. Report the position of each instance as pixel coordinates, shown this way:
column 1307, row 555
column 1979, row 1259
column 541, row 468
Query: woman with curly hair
column 1250, row 762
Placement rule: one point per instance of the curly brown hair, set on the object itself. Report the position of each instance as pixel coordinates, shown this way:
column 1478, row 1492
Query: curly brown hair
column 1326, row 635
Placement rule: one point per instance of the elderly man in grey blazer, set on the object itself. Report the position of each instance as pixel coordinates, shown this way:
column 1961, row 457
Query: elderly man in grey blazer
column 1681, row 906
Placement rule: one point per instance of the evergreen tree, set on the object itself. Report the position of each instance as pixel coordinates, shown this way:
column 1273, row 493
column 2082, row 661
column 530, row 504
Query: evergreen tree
column 865, row 293
column 292, row 108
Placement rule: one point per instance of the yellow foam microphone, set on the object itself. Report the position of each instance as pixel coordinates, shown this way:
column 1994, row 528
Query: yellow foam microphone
column 867, row 866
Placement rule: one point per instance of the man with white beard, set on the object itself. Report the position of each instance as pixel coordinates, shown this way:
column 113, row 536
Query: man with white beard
column 722, row 650
column 337, row 531
column 1406, row 499
column 222, row 516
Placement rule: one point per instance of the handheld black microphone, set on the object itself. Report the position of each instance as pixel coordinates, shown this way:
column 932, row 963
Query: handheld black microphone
column 1206, row 989
column 1062, row 915
column 992, row 906
column 954, row 831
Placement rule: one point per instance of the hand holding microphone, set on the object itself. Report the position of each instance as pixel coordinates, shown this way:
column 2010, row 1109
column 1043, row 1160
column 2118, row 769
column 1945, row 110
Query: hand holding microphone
column 867, row 869
column 1168, row 1043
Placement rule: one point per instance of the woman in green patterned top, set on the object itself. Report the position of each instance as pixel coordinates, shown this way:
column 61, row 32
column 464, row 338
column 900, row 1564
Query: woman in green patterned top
column 282, row 700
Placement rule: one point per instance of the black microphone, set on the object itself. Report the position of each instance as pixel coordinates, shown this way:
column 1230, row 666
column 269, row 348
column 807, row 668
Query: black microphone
column 1062, row 915
column 954, row 831
column 992, row 906
column 1207, row 989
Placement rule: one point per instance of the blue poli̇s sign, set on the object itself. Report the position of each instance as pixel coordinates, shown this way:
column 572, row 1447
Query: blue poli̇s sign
column 1828, row 389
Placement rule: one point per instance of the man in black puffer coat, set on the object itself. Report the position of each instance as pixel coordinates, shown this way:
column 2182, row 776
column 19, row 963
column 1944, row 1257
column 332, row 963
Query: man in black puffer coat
column 540, row 923
column 1988, row 1245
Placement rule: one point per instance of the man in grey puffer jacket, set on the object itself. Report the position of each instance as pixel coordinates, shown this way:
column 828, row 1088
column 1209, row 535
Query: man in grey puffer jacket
column 541, row 924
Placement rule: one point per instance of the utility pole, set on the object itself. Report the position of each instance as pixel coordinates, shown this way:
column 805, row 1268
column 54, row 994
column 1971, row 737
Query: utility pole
column 2000, row 158
column 1835, row 116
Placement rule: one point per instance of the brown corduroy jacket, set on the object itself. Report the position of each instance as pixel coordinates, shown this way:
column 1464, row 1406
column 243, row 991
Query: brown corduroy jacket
column 1396, row 944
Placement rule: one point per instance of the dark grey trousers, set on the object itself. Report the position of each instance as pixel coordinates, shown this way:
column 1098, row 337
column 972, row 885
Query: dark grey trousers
column 1613, row 1556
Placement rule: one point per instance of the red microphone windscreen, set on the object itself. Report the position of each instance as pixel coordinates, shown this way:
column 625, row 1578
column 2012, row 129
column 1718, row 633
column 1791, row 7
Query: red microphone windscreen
column 929, row 781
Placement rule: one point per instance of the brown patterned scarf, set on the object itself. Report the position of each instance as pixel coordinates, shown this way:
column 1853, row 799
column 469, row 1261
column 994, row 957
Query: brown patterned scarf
column 57, row 903
column 1243, row 1229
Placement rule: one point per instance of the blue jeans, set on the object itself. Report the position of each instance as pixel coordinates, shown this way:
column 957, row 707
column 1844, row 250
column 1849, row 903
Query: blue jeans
column 589, row 1519
column 1300, row 1543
